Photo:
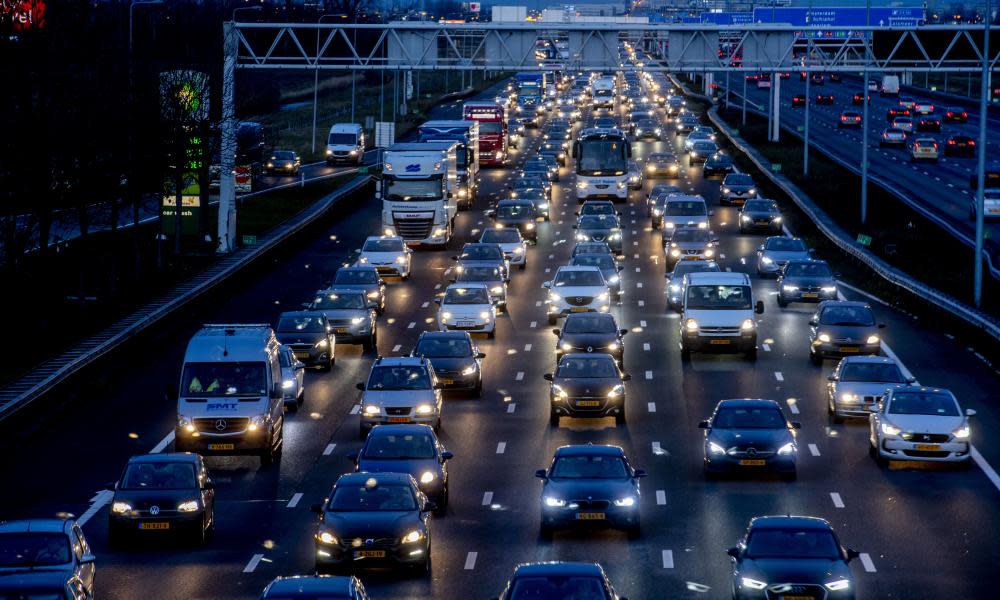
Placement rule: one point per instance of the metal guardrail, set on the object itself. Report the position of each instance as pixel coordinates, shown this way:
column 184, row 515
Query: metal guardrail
column 22, row 392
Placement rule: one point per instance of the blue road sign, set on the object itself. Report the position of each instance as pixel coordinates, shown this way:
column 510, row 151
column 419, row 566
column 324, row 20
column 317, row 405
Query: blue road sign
column 727, row 18
column 842, row 17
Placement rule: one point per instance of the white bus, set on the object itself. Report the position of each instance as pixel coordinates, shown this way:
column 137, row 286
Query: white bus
column 601, row 163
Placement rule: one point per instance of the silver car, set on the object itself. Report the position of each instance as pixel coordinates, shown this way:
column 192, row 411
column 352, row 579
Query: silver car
column 634, row 176
column 577, row 289
column 515, row 249
column 859, row 382
column 487, row 273
column 52, row 545
column 400, row 389
column 366, row 279
column 292, row 378
column 776, row 251
column 352, row 320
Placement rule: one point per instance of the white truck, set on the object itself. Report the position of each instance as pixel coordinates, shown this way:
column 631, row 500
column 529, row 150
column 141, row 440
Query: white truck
column 419, row 192
column 603, row 90
column 890, row 85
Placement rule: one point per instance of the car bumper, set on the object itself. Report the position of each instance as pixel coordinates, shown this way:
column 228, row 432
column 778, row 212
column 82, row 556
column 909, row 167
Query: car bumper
column 397, row 270
column 313, row 357
column 514, row 258
column 737, row 199
column 800, row 296
column 853, row 409
column 664, row 172
column 371, row 421
column 561, row 310
column 578, row 407
column 833, row 349
column 249, row 442
column 755, row 226
column 173, row 523
column 769, row 268
column 899, row 449
column 719, row 343
column 458, row 381
column 399, row 554
column 612, row 516
column 475, row 326
column 722, row 463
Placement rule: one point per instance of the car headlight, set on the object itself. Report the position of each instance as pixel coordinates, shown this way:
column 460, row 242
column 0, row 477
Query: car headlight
column 497, row 290
column 790, row 288
column 838, row 585
column 581, row 237
column 714, row 448
column 425, row 409
column 371, row 409
column 327, row 538
column 766, row 260
column 270, row 165
column 675, row 252
column 603, row 296
column 257, row 422
column 703, row 225
column 372, row 295
column 581, row 185
column 120, row 508
column 413, row 536
column 357, row 320
column 287, row 384
column 484, row 315
column 627, row 501
column 566, row 347
column 872, row 339
column 709, row 253
column 529, row 226
column 829, row 289
column 401, row 259
column 745, row 218
column 616, row 391
column 752, row 191
column 748, row 325
column 188, row 506
column 776, row 219
column 620, row 185
column 558, row 391
column 446, row 315
column 519, row 250
column 329, row 152
column 754, row 584
column 543, row 206
column 554, row 297
column 675, row 287
column 691, row 325
column 962, row 433
column 849, row 398
column 427, row 476
column 889, row 429
column 613, row 346
column 726, row 190
column 554, row 502
column 823, row 337
column 363, row 260
column 185, row 423
column 787, row 449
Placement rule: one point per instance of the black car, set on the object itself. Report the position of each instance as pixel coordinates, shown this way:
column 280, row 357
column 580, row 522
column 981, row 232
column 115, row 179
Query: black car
column 749, row 436
column 309, row 335
column 956, row 114
column 600, row 228
column 760, row 214
column 283, row 162
column 806, row 280
column 362, row 277
column 455, row 358
column 163, row 494
column 597, row 207
column 843, row 328
column 737, row 188
column 312, row 587
column 374, row 519
column 718, row 164
column 537, row 165
column 411, row 449
column 648, row 129
column 587, row 385
column 45, row 555
column 824, row 98
column 782, row 556
column 479, row 252
column 517, row 214
column 555, row 149
column 609, row 269
column 534, row 581
column 677, row 283
column 526, row 182
column 591, row 332
column 928, row 123
column 960, row 145
column 558, row 133
column 590, row 485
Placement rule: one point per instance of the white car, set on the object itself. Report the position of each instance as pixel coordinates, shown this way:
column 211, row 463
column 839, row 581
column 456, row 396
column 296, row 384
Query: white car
column 467, row 307
column 920, row 423
column 292, row 378
column 388, row 254
column 858, row 383
column 515, row 248
column 577, row 289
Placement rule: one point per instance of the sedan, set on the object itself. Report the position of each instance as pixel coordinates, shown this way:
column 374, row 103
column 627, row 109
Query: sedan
column 806, row 280
column 701, row 150
column 590, row 485
column 737, row 188
column 473, row 252
column 718, row 164
column 824, row 98
column 842, row 328
column 555, row 149
column 411, row 449
column 677, row 281
column 609, row 269
column 54, row 546
column 364, row 278
column 310, row 337
column 551, row 579
column 521, row 215
column 305, row 587
column 526, row 183
column 388, row 254
column 515, row 248
column 760, row 214
column 293, row 387
column 697, row 135
column 923, row 107
column 587, row 385
column 849, row 118
column 960, row 145
column 350, row 318
column 896, row 111
column 920, row 423
column 467, row 307
column 598, row 207
column 783, row 554
column 576, row 289
column 600, row 228
column 749, row 436
column 859, row 382
column 928, row 123
column 798, row 100
column 904, row 123
column 859, row 98
column 648, row 129
column 956, row 115
column 163, row 494
column 591, row 332
column 283, row 162
column 924, row 148
column 689, row 243
column 661, row 164
column 456, row 361
column 487, row 274
column 590, row 248
column 374, row 519
column 892, row 136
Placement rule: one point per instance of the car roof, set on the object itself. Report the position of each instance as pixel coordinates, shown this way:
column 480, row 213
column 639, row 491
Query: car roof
column 383, row 237
column 384, row 477
column 589, row 450
column 342, row 291
column 467, row 284
column 789, row 522
column 402, row 429
column 720, row 277
column 396, row 361
column 593, row 355
column 303, row 313
column 558, row 568
column 44, row 525
column 166, row 457
column 358, row 268
column 578, row 268
column 590, row 315
column 309, row 584
column 807, row 261
column 882, row 360
column 749, row 403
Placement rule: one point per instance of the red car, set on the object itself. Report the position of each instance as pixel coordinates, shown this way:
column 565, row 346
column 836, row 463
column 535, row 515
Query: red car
column 956, row 115
column 859, row 98
column 849, row 119
column 798, row 100
column 896, row 111
column 824, row 98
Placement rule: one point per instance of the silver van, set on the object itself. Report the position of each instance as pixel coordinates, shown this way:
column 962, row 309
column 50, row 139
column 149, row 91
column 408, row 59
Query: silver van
column 345, row 143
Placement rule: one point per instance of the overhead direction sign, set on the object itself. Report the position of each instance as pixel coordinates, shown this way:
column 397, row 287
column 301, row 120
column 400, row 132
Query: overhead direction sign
column 727, row 18
column 842, row 17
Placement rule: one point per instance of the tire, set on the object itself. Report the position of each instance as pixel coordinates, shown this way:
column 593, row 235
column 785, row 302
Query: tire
column 553, row 418
column 442, row 506
column 198, row 535
column 522, row 266
column 270, row 456
column 791, row 476
column 492, row 333
column 815, row 358
column 881, row 461
column 782, row 302
column 477, row 392
column 685, row 354
column 371, row 343
column 326, row 368
column 552, row 319
column 363, row 432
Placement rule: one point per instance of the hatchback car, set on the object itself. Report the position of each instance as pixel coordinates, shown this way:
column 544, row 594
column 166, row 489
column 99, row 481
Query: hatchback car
column 701, row 150
column 587, row 385
column 928, row 123
column 688, row 243
column 515, row 248
column 591, row 332
column 904, row 123
column 849, row 118
column 521, row 215
column 717, row 164
column 400, row 390
column 411, row 449
column 597, row 207
column 456, row 360
column 860, row 98
column 42, row 585
column 859, row 382
column 292, row 378
column 956, row 114
column 487, row 274
column 600, row 228
column 283, row 162
column 163, row 494
column 364, row 278
column 310, row 337
column 374, row 519
column 677, row 281
column 533, row 581
column 590, row 248
column 806, row 280
column 960, row 145
column 684, row 211
column 609, row 267
column 467, row 307
column 737, row 188
column 924, row 148
column 308, row 587
column 920, row 423
column 896, row 111
column 479, row 253
column 525, row 184
column 350, row 318
column 634, row 176
column 388, row 254
column 842, row 328
column 590, row 485
column 661, row 164
column 823, row 98
column 648, row 129
column 56, row 547
column 760, row 215
column 776, row 251
column 576, row 289
column 749, row 436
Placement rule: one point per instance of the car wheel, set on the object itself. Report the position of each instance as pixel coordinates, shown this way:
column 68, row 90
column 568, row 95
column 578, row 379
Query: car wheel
column 492, row 333
column 552, row 319
column 782, row 302
column 553, row 418
column 815, row 358
column 790, row 476
column 522, row 266
column 270, row 456
column 880, row 460
column 371, row 343
column 116, row 537
column 442, row 505
column 198, row 537
column 634, row 531
column 363, row 432
column 327, row 366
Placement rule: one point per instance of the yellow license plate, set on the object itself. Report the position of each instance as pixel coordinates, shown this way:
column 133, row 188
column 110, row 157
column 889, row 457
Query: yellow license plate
column 848, row 349
column 753, row 462
column 446, row 381
column 301, row 355
column 341, row 330
column 398, row 419
column 154, row 525
column 579, row 309
column 691, row 257
column 590, row 516
column 588, row 403
column 928, row 447
column 221, row 446
column 719, row 342
column 796, row 598
column 810, row 295
column 369, row 554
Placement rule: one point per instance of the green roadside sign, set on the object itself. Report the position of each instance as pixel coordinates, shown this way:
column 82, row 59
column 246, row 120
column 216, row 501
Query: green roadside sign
column 776, row 167
column 363, row 170
column 249, row 240
column 864, row 240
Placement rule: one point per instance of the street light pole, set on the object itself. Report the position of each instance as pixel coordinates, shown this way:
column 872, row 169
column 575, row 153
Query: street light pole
column 316, row 83
column 864, row 117
column 984, row 91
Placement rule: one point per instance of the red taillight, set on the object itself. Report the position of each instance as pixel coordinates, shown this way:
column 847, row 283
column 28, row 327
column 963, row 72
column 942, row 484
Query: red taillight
column 932, row 108
column 965, row 114
column 972, row 143
column 935, row 145
column 951, row 142
column 950, row 114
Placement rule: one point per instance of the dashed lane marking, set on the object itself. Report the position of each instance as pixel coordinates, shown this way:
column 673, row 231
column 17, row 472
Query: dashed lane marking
column 396, row 347
column 866, row 562
column 470, row 561
column 527, row 347
column 642, row 303
column 638, row 284
column 837, row 500
column 649, row 374
column 661, row 497
column 329, row 449
column 296, row 497
column 411, row 325
column 651, row 407
column 487, row 498
column 645, row 346
column 519, row 376
column 355, row 409
column 533, row 324
column 668, row 559
column 166, row 441
column 501, row 447
column 642, row 323
column 656, row 448
column 254, row 561
column 511, row 407
column 814, row 449
column 779, row 376
column 425, row 305
column 766, row 347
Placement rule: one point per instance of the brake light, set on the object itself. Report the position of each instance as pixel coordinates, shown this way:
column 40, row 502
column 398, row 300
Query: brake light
column 951, row 142
column 935, row 145
column 972, row 142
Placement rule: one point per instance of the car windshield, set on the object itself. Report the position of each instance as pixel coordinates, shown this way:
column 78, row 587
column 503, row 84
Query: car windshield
column 372, row 497
column 592, row 248
column 874, row 372
column 597, row 222
column 452, row 347
column 587, row 323
column 570, row 278
column 686, row 208
column 720, row 297
column 597, row 208
column 808, row 270
column 597, row 366
column 923, row 403
column 783, row 244
column 647, row 124
column 399, row 377
column 355, row 277
column 392, row 446
column 738, row 179
column 721, row 159
column 690, row 234
column 792, row 543
column 159, row 476
column 30, row 549
column 224, row 379
column 515, row 211
column 704, row 147
column 759, row 206
column 658, row 157
column 749, row 417
column 412, row 189
column 284, row 155
column 483, row 252
column 501, row 236
column 342, row 139
column 595, row 466
column 478, row 274
column 557, row 587
column 476, row 295
column 528, row 182
column 339, row 300
column 601, row 261
column 847, row 315
column 683, row 268
column 304, row 324
column 383, row 245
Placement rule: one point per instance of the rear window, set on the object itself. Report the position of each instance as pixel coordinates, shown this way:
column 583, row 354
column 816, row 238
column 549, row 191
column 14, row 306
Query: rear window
column 558, row 587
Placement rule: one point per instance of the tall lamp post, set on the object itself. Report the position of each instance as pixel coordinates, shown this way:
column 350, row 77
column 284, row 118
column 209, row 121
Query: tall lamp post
column 316, row 82
column 984, row 94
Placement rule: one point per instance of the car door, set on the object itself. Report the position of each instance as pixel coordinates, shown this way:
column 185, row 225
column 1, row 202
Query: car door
column 207, row 491
column 84, row 558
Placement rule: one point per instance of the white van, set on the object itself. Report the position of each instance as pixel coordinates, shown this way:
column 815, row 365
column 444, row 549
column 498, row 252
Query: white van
column 718, row 314
column 346, row 143
column 230, row 400
column 890, row 85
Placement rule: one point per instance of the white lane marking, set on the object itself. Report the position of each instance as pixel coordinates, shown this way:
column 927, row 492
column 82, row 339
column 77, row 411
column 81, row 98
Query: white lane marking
column 470, row 561
column 651, row 406
column 766, row 347
column 638, row 284
column 501, row 447
column 329, row 449
column 779, row 376
column 645, row 346
column 814, row 449
column 637, row 270
column 396, row 348
column 487, row 498
column 166, row 441
column 538, row 302
column 866, row 561
column 668, row 559
column 990, row 473
column 551, row 256
column 527, row 347
column 661, row 497
column 548, row 270
column 837, row 500
column 519, row 376
column 511, row 407
column 96, row 504
column 793, row 406
column 355, row 409
column 649, row 374
column 533, row 324
column 656, row 448
column 254, row 561
column 411, row 325
column 635, row 255
column 642, row 303
column 425, row 305
column 642, row 323
column 437, row 286
column 635, row 243
column 295, row 500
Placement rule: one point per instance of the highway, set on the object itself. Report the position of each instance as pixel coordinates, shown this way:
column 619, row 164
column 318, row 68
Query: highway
column 942, row 188
column 924, row 532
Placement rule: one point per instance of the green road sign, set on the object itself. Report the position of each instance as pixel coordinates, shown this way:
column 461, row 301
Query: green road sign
column 249, row 240
column 776, row 167
column 864, row 240
column 801, row 128
column 363, row 170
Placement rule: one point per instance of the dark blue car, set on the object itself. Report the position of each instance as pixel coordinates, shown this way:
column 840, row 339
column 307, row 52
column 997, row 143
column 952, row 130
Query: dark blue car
column 311, row 587
column 749, row 436
column 456, row 360
column 532, row 581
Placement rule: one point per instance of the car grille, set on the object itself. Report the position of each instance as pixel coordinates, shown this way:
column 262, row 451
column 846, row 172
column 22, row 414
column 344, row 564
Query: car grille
column 300, row 347
column 592, row 504
column 341, row 153
column 414, row 229
column 222, row 425
column 749, row 452
column 871, row 399
column 931, row 438
column 926, row 453
column 810, row 289
column 579, row 300
column 340, row 322
column 721, row 330
column 398, row 410
column 598, row 237
column 799, row 590
column 367, row 543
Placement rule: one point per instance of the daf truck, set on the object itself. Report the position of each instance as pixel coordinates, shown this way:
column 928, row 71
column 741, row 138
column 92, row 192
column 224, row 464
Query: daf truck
column 466, row 135
column 419, row 192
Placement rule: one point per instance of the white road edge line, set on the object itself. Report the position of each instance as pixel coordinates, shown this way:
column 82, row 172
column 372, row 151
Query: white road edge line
column 866, row 561
column 511, row 407
column 814, row 449
column 661, row 497
column 838, row 502
column 254, row 561
column 329, row 449
column 166, row 441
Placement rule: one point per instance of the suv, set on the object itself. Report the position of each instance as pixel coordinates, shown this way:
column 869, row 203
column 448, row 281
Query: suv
column 718, row 314
column 401, row 389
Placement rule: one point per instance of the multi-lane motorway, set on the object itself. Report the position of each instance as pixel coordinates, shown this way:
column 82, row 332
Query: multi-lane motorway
column 924, row 532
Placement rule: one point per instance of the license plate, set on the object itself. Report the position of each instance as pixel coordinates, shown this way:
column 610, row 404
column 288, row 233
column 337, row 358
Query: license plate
column 928, row 447
column 446, row 381
column 301, row 355
column 719, row 342
column 848, row 349
column 154, row 525
column 369, row 554
column 588, row 403
column 796, row 598
column 691, row 257
column 754, row 462
column 398, row 419
column 221, row 446
column 810, row 295
column 579, row 309
column 341, row 330
column 590, row 516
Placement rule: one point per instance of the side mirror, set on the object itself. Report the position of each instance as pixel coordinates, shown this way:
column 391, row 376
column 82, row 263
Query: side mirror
column 852, row 554
column 831, row 378
column 881, row 325
column 360, row 385
column 306, row 304
column 317, row 508
column 88, row 558
column 446, row 455
column 111, row 485
column 836, row 275
column 454, row 258
column 639, row 473
column 171, row 392
column 437, row 301
column 480, row 355
column 759, row 309
column 547, row 377
column 556, row 331
column 439, row 386
column 208, row 485
column 430, row 506
column 734, row 552
column 452, row 280
column 969, row 412
column 911, row 380
column 353, row 456
column 796, row 425
column 547, row 284
column 541, row 474
column 620, row 268
column 813, row 322
column 627, row 377
column 623, row 331
column 299, row 365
